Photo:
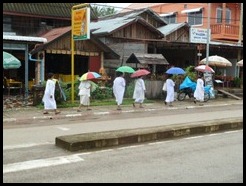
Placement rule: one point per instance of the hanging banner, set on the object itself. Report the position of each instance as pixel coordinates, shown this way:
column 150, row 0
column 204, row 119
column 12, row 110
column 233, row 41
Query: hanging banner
column 81, row 24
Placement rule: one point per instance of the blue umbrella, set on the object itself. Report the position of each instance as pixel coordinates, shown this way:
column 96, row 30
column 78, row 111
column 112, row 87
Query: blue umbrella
column 175, row 70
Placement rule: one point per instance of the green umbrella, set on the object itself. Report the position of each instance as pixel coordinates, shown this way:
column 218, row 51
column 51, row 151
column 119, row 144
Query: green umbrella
column 10, row 61
column 125, row 69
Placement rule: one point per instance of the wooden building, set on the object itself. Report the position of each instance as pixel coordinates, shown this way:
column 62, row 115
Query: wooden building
column 51, row 21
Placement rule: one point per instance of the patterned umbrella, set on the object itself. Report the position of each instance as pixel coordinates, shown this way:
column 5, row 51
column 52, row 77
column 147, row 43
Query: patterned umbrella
column 216, row 61
column 89, row 75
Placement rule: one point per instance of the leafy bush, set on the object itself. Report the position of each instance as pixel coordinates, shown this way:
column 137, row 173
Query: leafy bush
column 102, row 93
column 191, row 73
column 236, row 82
column 129, row 89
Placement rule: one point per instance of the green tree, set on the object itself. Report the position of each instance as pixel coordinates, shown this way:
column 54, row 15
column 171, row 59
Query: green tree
column 103, row 11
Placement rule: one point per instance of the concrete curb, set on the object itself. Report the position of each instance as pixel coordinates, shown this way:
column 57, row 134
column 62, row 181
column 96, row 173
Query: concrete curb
column 97, row 140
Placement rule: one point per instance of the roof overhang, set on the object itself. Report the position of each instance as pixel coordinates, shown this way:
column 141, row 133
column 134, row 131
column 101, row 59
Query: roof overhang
column 167, row 14
column 145, row 59
column 24, row 38
column 191, row 10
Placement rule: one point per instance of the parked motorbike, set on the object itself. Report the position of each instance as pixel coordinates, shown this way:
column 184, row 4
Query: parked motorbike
column 187, row 88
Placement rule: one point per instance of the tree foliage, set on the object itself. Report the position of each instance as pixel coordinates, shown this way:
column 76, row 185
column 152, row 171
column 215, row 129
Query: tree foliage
column 103, row 11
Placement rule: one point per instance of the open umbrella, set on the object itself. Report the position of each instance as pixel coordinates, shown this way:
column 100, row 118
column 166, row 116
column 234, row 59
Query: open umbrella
column 126, row 69
column 240, row 63
column 175, row 70
column 204, row 68
column 10, row 61
column 89, row 75
column 216, row 61
column 140, row 72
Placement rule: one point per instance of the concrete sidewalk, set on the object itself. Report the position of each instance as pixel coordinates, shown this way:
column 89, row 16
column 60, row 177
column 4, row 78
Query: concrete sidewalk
column 33, row 113
column 133, row 130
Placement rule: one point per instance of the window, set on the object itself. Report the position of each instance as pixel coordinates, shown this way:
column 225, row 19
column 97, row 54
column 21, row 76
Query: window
column 170, row 18
column 7, row 24
column 219, row 12
column 195, row 18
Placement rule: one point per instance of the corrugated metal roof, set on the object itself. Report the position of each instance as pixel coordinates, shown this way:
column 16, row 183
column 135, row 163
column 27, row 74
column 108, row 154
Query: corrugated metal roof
column 58, row 10
column 135, row 13
column 24, row 38
column 168, row 29
column 109, row 24
column 56, row 33
column 143, row 58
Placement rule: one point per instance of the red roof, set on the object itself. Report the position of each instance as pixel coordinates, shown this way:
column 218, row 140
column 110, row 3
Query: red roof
column 55, row 33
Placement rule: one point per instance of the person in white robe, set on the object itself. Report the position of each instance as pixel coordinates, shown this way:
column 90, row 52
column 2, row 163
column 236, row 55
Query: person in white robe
column 199, row 91
column 139, row 92
column 119, row 85
column 170, row 90
column 49, row 95
column 84, row 93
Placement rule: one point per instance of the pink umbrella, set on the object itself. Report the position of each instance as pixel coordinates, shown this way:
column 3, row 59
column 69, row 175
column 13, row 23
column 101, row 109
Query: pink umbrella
column 141, row 72
column 204, row 68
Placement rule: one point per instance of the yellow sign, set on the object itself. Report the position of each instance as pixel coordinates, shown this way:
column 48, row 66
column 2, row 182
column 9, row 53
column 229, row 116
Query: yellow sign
column 80, row 27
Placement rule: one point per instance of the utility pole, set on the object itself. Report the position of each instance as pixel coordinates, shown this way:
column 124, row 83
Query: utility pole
column 240, row 39
column 208, row 35
column 240, row 25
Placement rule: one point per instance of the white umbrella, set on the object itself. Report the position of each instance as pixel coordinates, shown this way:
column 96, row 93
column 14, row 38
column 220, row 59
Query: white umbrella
column 216, row 61
column 240, row 63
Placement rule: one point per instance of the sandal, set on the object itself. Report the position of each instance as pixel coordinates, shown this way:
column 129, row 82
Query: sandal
column 46, row 113
column 57, row 112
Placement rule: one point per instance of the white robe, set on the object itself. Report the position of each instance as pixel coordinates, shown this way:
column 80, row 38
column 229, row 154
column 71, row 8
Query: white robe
column 139, row 91
column 49, row 102
column 84, row 92
column 170, row 90
column 119, row 89
column 199, row 92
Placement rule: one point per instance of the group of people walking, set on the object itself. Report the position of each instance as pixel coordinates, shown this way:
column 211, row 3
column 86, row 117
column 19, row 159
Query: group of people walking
column 169, row 85
column 119, row 90
column 119, row 85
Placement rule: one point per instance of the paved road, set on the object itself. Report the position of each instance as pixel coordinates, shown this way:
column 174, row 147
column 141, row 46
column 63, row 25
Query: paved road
column 100, row 120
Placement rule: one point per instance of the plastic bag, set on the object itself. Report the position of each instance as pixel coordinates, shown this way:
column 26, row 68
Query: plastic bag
column 164, row 88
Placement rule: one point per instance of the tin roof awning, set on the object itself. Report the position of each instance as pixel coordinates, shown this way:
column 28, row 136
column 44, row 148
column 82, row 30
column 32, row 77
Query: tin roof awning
column 145, row 59
column 191, row 10
column 167, row 14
